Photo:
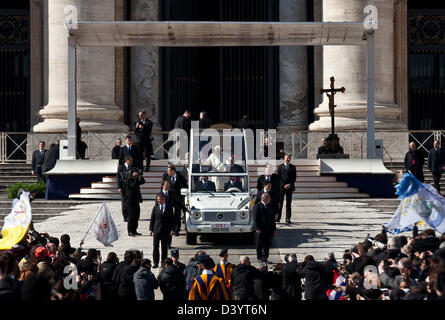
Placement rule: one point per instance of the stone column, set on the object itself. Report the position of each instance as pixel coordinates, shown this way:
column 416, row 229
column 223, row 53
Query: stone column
column 348, row 65
column 293, row 73
column 293, row 79
column 95, row 73
column 145, row 68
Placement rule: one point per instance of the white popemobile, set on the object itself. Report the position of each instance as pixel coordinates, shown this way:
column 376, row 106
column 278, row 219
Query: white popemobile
column 218, row 195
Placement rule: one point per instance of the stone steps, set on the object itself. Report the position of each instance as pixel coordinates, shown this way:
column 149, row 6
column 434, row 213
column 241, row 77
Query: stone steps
column 309, row 185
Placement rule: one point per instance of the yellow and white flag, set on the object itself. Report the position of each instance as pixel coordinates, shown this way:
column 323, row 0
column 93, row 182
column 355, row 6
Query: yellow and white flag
column 17, row 222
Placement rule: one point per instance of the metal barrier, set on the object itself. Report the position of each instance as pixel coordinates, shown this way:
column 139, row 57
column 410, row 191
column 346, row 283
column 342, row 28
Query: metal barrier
column 14, row 145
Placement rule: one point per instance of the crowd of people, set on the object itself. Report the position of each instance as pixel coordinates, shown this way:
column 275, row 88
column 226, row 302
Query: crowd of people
column 378, row 268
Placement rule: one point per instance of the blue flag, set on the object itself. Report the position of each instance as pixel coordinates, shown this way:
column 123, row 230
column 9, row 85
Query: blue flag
column 419, row 202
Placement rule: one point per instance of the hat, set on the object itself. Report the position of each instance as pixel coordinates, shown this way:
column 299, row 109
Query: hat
column 41, row 252
column 174, row 253
column 202, row 258
column 223, row 252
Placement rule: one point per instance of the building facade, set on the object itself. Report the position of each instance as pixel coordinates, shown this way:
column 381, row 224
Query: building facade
column 276, row 87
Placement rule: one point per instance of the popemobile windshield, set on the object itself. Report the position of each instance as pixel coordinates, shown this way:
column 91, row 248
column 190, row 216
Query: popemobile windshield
column 218, row 194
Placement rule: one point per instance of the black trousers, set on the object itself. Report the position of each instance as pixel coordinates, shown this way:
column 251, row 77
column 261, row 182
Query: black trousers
column 124, row 208
column 39, row 175
column 436, row 177
column 163, row 239
column 147, row 148
column 177, row 218
column 263, row 243
column 133, row 213
column 288, row 193
column 81, row 148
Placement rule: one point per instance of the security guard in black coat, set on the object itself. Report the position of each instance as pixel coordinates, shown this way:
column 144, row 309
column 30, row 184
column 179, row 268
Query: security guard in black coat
column 129, row 181
column 171, row 200
column 264, row 227
column 177, row 182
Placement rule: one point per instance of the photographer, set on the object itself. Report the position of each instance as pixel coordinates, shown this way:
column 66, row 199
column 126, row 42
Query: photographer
column 143, row 132
column 132, row 200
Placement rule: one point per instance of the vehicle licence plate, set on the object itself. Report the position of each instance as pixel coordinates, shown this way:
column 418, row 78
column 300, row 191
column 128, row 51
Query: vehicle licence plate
column 222, row 225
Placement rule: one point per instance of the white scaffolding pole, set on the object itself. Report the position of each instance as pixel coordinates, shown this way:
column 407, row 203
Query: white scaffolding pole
column 72, row 97
column 370, row 141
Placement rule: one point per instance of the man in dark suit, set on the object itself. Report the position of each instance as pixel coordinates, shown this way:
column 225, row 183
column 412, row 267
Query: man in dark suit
column 37, row 161
column 233, row 183
column 264, row 227
column 124, row 171
column 130, row 149
column 205, row 185
column 116, row 149
column 287, row 174
column 161, row 228
column 177, row 182
column 414, row 161
column 436, row 163
column 172, row 200
column 143, row 132
column 274, row 198
column 183, row 122
column 129, row 180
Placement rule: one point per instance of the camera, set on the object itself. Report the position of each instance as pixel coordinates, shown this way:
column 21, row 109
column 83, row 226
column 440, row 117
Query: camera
column 374, row 242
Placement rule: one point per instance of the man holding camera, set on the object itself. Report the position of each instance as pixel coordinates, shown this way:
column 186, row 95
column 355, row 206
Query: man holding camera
column 143, row 132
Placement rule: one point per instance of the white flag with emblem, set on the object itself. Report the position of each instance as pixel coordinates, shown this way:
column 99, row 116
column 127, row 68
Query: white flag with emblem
column 103, row 227
column 17, row 222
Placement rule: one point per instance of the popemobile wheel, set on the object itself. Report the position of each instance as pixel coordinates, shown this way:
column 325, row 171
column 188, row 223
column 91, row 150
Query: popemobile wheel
column 190, row 238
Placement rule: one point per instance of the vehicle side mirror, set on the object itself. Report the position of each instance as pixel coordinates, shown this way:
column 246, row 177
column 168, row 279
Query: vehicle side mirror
column 184, row 192
column 253, row 192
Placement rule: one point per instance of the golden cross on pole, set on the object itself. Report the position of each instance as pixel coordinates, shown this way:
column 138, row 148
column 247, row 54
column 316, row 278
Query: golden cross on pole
column 331, row 93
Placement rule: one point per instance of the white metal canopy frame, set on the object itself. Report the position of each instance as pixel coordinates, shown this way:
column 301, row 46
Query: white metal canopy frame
column 216, row 34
